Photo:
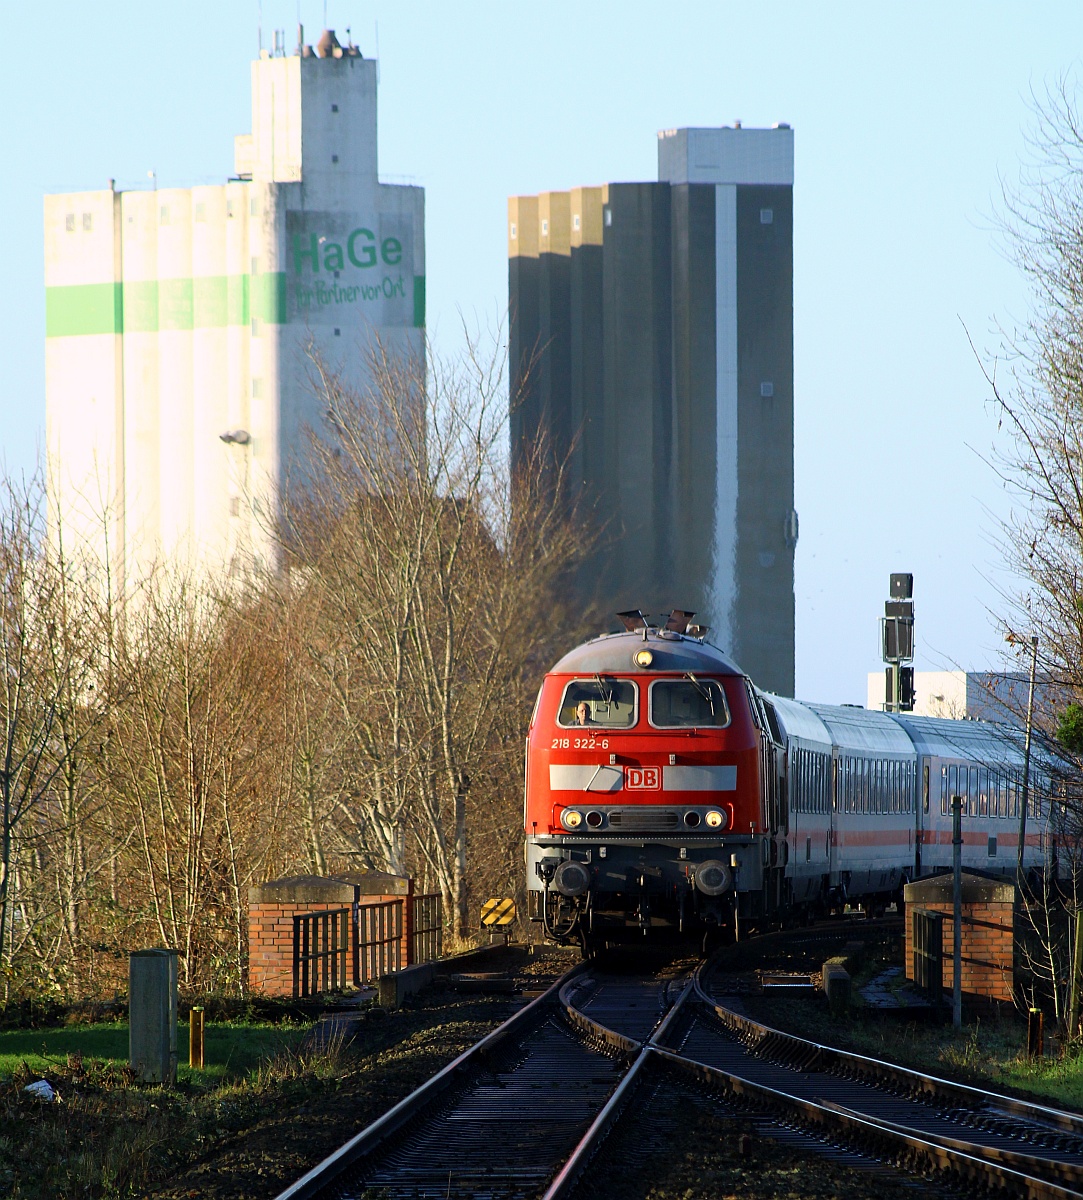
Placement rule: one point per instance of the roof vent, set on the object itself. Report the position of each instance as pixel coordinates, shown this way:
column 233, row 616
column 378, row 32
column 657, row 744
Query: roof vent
column 328, row 44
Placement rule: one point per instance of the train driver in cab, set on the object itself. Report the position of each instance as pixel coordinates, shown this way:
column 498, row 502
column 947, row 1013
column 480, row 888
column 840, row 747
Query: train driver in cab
column 582, row 714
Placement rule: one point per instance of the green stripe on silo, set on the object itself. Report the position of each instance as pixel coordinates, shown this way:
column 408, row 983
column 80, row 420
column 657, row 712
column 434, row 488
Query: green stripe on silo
column 419, row 301
column 151, row 305
column 141, row 307
column 174, row 304
column 237, row 311
column 269, row 297
column 83, row 308
column 210, row 302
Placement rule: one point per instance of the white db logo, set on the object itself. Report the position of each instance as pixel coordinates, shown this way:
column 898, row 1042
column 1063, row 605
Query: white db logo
column 643, row 779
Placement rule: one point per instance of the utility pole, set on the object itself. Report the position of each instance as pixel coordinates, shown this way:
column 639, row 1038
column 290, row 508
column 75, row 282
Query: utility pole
column 1016, row 640
column 957, row 910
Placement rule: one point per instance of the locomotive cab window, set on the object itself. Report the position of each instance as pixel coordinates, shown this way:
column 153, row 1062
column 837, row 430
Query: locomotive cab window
column 687, row 704
column 601, row 702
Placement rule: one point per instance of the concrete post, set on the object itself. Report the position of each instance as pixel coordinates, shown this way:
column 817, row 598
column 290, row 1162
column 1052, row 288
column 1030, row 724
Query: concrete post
column 152, row 1015
column 195, row 1038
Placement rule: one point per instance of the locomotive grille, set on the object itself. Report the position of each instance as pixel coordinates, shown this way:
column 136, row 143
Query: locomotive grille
column 644, row 818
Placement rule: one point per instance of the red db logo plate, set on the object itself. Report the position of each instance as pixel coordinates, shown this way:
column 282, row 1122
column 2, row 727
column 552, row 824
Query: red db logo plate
column 643, row 779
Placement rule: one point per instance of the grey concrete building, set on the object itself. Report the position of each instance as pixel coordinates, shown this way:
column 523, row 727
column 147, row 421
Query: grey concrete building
column 652, row 344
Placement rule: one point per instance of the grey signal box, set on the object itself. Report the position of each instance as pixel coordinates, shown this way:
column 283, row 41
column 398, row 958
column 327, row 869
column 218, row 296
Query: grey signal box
column 898, row 639
column 152, row 1015
column 907, row 695
column 901, row 585
column 897, row 630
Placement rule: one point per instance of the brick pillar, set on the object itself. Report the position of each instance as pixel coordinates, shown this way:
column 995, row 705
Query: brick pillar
column 271, row 909
column 988, row 932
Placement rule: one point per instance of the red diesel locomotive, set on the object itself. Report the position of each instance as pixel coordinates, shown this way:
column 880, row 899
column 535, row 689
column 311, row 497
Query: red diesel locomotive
column 645, row 801
column 664, row 789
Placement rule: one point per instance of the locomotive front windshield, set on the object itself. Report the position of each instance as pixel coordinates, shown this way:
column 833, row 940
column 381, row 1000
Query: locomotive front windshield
column 688, row 703
column 601, row 701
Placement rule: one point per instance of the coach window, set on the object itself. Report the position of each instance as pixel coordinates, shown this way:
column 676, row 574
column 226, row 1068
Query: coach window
column 611, row 703
column 983, row 792
column 975, row 788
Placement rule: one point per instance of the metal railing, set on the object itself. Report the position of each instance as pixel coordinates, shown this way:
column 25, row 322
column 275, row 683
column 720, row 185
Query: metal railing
column 929, row 952
column 321, row 943
column 428, row 928
column 379, row 946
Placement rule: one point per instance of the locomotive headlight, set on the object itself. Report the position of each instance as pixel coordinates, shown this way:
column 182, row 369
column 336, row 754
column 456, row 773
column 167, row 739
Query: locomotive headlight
column 572, row 818
column 643, row 658
column 714, row 819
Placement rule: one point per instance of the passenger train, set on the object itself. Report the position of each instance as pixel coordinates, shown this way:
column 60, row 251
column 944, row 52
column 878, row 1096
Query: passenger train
column 664, row 789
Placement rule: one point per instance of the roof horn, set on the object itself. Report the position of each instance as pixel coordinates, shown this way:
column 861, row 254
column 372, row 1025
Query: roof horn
column 678, row 620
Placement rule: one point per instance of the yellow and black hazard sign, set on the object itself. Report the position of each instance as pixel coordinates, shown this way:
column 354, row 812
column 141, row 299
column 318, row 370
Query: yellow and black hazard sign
column 498, row 912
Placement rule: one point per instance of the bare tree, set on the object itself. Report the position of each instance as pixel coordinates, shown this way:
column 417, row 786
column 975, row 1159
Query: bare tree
column 436, row 578
column 1037, row 387
column 48, row 664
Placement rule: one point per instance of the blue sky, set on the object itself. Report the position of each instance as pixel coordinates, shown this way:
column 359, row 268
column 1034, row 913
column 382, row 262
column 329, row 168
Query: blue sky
column 905, row 118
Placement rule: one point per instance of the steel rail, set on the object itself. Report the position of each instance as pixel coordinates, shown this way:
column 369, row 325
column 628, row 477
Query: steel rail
column 807, row 1054
column 613, row 1044
column 363, row 1143
column 864, row 1130
column 568, row 1176
column 1068, row 1174
column 619, row 1041
column 1026, row 1174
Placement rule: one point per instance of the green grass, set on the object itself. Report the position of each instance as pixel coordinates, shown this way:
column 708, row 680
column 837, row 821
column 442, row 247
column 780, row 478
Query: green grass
column 230, row 1051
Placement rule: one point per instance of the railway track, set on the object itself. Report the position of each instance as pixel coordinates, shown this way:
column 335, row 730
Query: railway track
column 935, row 1125
column 524, row 1112
column 501, row 1119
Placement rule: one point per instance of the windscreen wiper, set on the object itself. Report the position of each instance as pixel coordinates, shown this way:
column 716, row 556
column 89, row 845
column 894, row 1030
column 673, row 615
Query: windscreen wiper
column 703, row 690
